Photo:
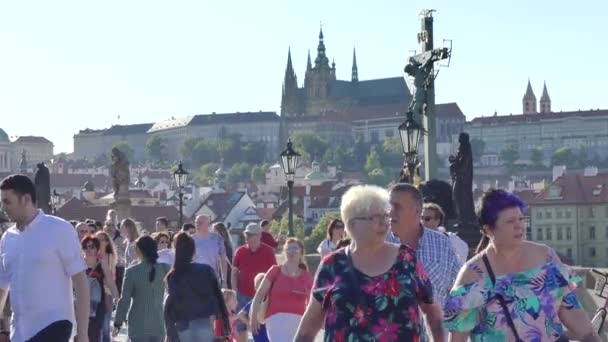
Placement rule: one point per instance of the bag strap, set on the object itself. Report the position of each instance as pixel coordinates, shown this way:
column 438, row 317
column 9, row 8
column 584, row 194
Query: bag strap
column 360, row 298
column 500, row 298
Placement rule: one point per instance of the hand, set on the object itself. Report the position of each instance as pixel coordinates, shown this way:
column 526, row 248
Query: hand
column 254, row 325
column 115, row 331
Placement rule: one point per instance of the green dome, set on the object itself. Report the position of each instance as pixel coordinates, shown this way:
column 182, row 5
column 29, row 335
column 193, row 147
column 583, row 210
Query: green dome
column 3, row 136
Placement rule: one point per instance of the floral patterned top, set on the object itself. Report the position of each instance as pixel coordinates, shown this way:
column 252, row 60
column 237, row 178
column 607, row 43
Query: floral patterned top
column 392, row 299
column 533, row 297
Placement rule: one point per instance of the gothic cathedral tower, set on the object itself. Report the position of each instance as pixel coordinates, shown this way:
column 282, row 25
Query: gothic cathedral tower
column 289, row 98
column 529, row 100
column 545, row 101
column 318, row 80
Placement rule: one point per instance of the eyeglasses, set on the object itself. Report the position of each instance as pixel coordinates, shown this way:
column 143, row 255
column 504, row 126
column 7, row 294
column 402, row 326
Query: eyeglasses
column 293, row 250
column 378, row 218
column 428, row 218
column 90, row 246
column 164, row 242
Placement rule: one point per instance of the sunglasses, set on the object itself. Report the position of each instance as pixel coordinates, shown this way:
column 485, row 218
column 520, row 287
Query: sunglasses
column 293, row 249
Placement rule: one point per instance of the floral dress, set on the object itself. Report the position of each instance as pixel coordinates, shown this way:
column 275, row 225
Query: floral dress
column 533, row 297
column 392, row 299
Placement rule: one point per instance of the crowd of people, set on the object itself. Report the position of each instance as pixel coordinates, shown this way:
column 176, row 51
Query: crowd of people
column 389, row 272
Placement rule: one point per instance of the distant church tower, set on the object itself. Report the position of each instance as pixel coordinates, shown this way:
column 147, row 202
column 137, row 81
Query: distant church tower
column 545, row 101
column 289, row 98
column 318, row 79
column 529, row 100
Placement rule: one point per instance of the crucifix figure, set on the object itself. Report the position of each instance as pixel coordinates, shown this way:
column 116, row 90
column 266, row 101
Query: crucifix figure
column 420, row 67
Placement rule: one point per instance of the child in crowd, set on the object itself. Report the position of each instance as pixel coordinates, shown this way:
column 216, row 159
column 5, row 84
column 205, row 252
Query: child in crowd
column 244, row 316
column 231, row 304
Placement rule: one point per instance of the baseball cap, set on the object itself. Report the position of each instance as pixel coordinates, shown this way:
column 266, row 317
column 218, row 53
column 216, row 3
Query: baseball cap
column 252, row 228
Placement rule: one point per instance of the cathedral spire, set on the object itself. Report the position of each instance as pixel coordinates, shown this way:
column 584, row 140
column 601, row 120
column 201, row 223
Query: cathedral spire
column 529, row 100
column 289, row 69
column 321, row 61
column 545, row 100
column 308, row 63
column 355, row 71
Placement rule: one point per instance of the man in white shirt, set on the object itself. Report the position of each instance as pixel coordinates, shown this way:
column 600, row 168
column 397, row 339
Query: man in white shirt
column 42, row 265
column 433, row 218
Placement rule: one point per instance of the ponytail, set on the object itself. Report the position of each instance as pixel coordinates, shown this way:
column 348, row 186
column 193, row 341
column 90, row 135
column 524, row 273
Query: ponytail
column 483, row 243
column 152, row 271
column 147, row 247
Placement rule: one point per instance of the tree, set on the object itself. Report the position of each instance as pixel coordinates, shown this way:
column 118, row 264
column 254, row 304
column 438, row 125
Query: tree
column 378, row 177
column 123, row 147
column 188, row 148
column 581, row 157
column 372, row 162
column 310, row 145
column 335, row 156
column 477, row 147
column 392, row 154
column 253, row 152
column 239, row 172
column 204, row 152
column 258, row 174
column 537, row 157
column 358, row 153
column 229, row 149
column 563, row 156
column 281, row 228
column 509, row 155
column 205, row 175
column 157, row 148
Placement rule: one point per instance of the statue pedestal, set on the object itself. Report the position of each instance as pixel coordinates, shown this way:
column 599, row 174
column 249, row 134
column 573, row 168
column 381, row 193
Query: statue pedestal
column 122, row 207
column 469, row 232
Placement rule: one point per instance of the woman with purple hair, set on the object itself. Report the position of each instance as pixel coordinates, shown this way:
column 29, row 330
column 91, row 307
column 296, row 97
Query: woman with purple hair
column 513, row 289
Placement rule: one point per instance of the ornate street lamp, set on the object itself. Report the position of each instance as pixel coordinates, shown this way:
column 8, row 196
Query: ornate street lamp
column 289, row 161
column 55, row 198
column 181, row 177
column 409, row 132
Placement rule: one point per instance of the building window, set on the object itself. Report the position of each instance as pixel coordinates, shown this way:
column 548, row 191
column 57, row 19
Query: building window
column 539, row 234
column 568, row 233
column 591, row 214
column 374, row 137
column 569, row 252
column 548, row 214
column 591, row 232
column 606, row 209
column 592, row 252
column 558, row 213
column 549, row 234
column 539, row 215
column 389, row 133
column 560, row 233
column 568, row 213
column 528, row 233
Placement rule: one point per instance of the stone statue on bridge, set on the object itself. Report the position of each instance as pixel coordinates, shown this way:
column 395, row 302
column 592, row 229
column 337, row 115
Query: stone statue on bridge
column 461, row 171
column 121, row 177
column 42, row 181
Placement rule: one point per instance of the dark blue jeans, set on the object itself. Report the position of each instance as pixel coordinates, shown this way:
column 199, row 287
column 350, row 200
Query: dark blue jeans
column 59, row 331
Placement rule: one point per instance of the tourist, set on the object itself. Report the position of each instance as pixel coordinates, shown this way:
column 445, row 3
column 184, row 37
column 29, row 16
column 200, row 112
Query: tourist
column 189, row 228
column 142, row 295
column 111, row 227
column 512, row 289
column 41, row 262
column 82, row 230
column 189, row 308
column 99, row 277
column 220, row 228
column 287, row 287
column 335, row 232
column 433, row 217
column 166, row 255
column 210, row 248
column 162, row 224
column 128, row 229
column 433, row 248
column 245, row 316
column 267, row 237
column 372, row 289
column 231, row 303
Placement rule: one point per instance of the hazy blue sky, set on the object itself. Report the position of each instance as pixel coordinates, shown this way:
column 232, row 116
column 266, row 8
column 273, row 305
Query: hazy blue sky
column 69, row 65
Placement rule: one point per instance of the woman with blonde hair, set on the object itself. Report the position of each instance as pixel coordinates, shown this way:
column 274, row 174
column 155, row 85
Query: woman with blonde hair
column 107, row 254
column 128, row 229
column 220, row 228
column 287, row 287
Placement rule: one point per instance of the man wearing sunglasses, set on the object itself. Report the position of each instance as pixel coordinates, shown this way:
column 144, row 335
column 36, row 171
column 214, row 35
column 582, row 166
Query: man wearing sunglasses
column 432, row 218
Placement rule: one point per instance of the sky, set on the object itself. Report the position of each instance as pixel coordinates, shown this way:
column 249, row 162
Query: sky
column 71, row 65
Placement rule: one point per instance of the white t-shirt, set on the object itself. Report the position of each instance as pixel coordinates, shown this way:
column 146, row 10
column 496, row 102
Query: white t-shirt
column 166, row 256
column 37, row 264
column 327, row 245
column 461, row 249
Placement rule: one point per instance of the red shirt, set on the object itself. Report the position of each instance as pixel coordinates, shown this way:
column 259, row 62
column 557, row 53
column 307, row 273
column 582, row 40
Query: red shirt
column 269, row 240
column 288, row 294
column 250, row 264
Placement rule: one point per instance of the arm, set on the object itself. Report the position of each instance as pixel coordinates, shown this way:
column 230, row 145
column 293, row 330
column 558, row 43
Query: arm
column 457, row 336
column 108, row 279
column 434, row 318
column 311, row 322
column 578, row 324
column 81, row 293
column 124, row 302
column 234, row 276
column 168, row 311
column 260, row 294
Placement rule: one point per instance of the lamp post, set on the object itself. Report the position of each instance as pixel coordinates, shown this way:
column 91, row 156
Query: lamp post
column 409, row 132
column 55, row 201
column 181, row 177
column 289, row 161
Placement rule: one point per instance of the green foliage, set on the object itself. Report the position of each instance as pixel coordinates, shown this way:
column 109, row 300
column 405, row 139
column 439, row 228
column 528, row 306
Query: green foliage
column 239, row 172
column 477, row 148
column 582, row 160
column 187, row 148
column 258, row 174
column 253, row 152
column 319, row 233
column 280, row 229
column 156, row 147
column 509, row 155
column 335, row 156
column 392, row 154
column 373, row 161
column 204, row 152
column 563, row 156
column 378, row 177
column 536, row 157
column 123, row 147
column 205, row 174
column 309, row 145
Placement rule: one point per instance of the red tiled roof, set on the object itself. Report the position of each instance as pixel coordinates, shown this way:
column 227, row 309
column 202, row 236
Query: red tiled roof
column 75, row 209
column 576, row 189
column 536, row 117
